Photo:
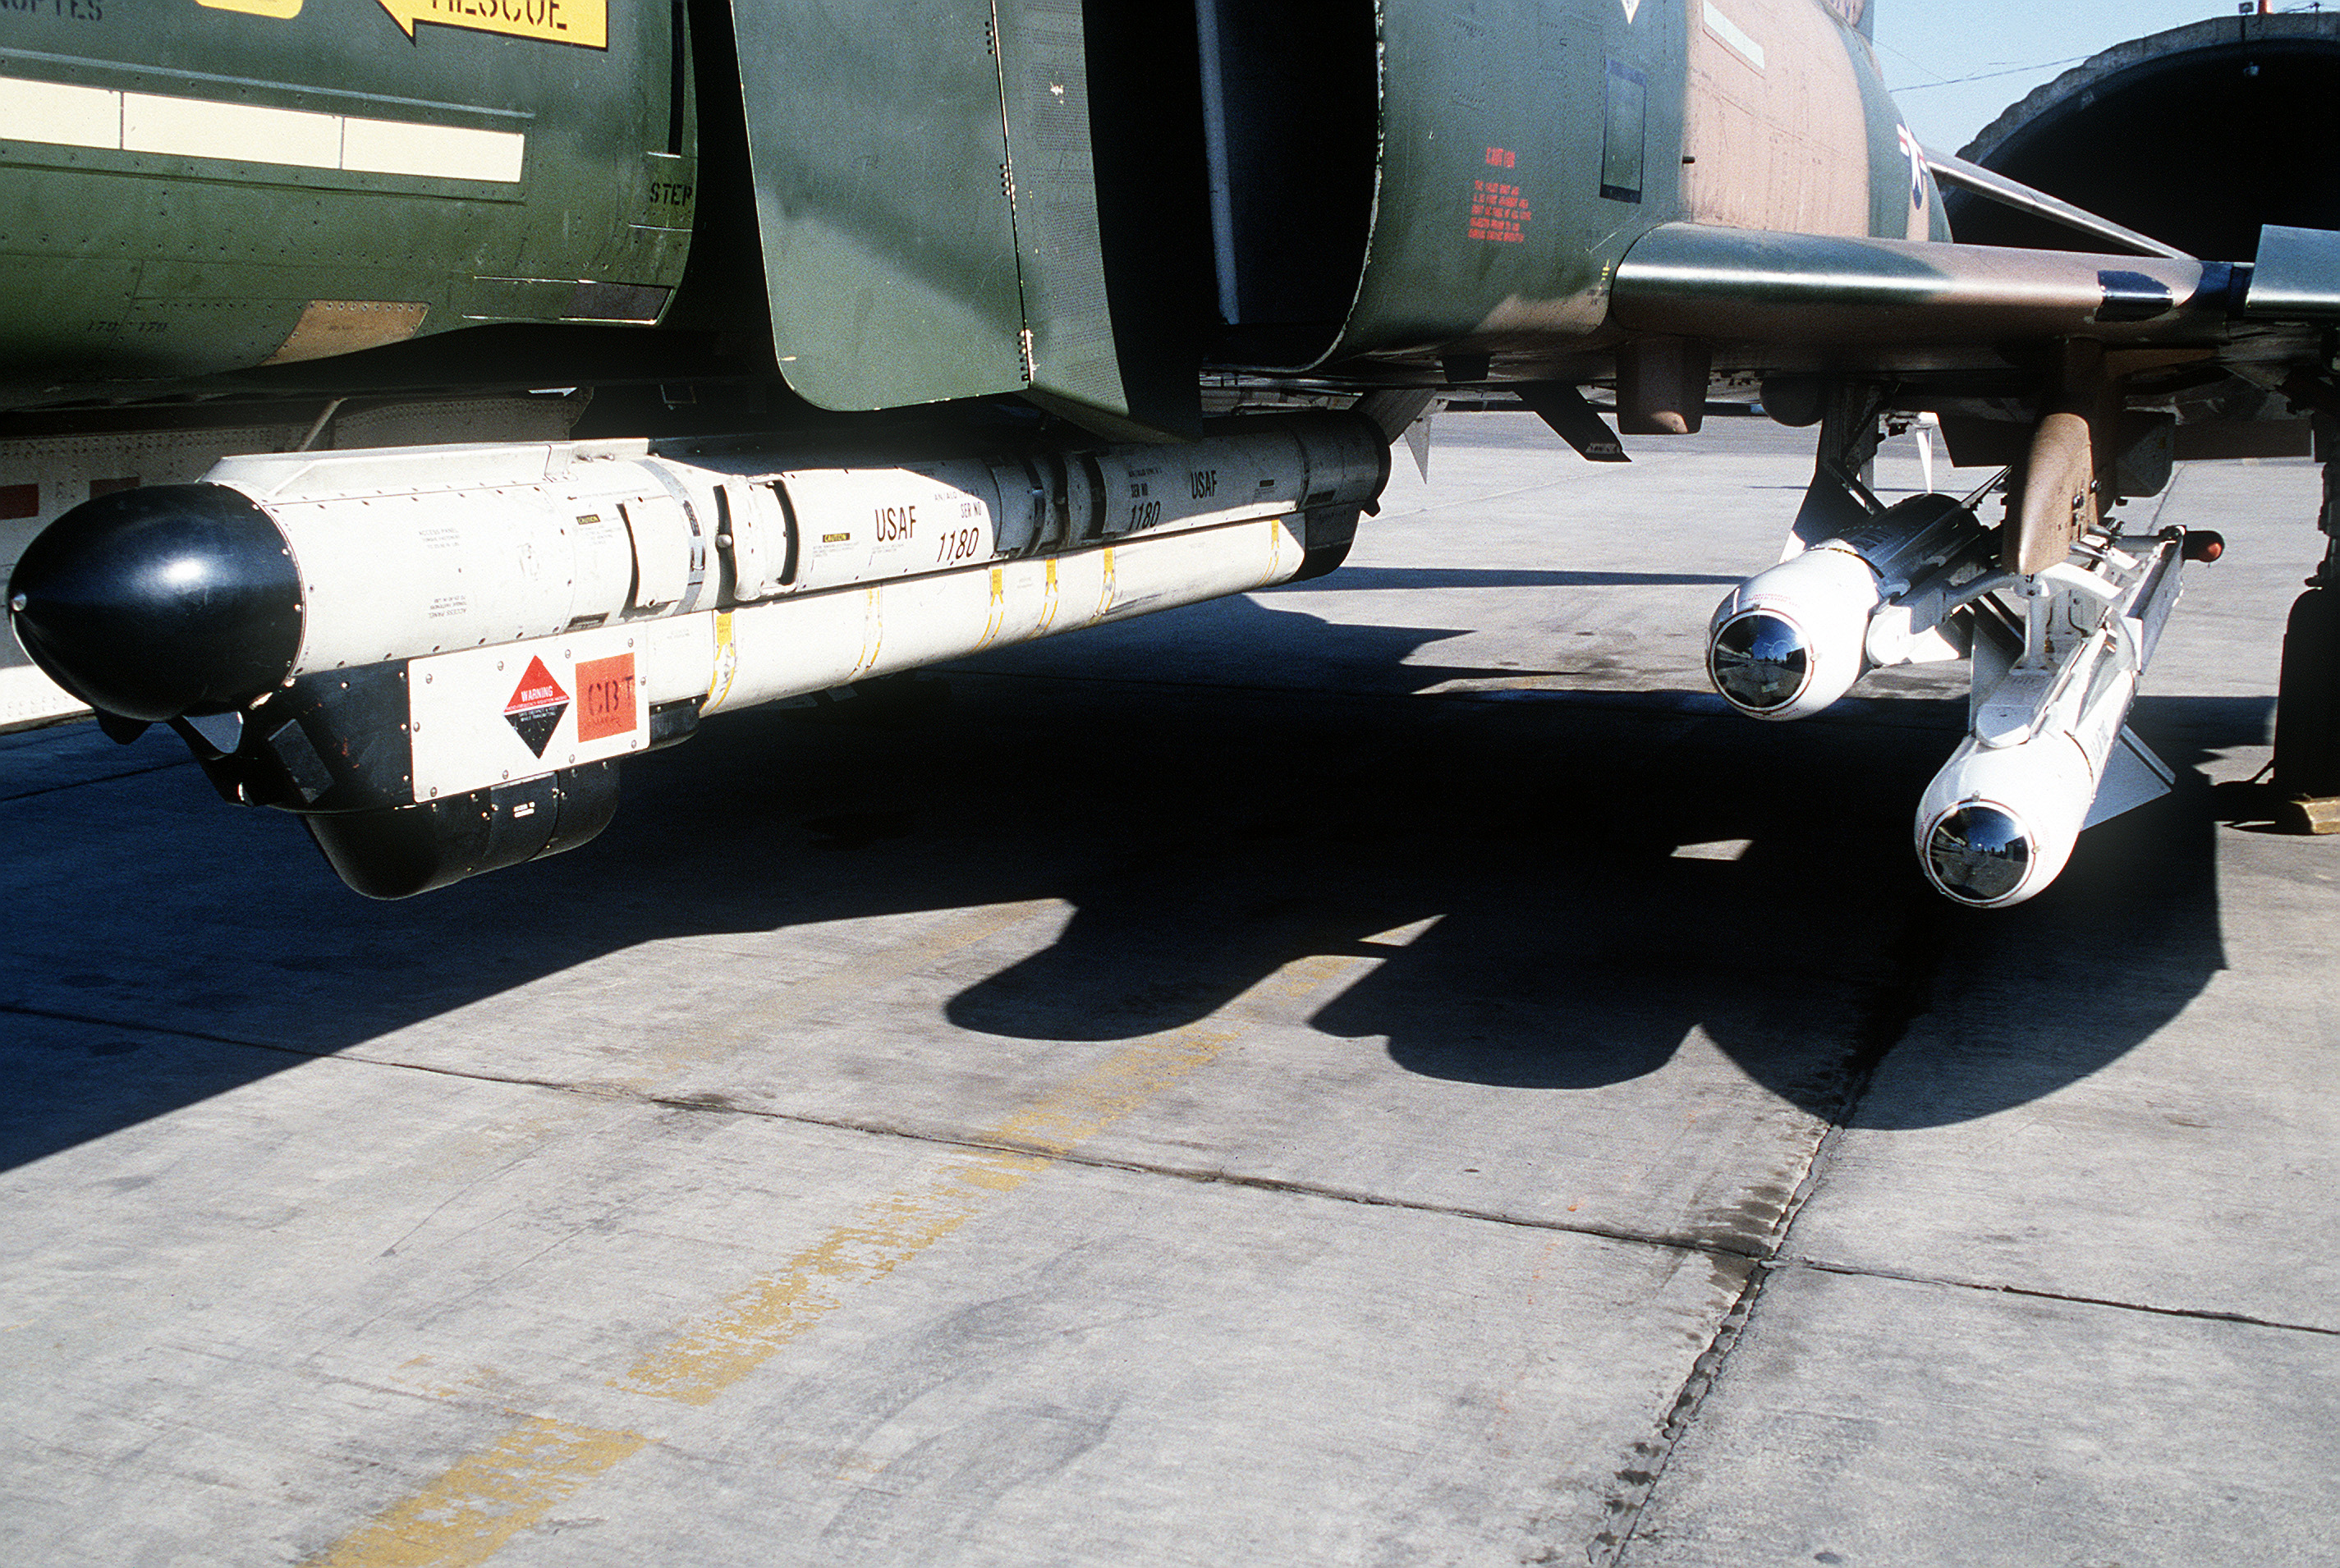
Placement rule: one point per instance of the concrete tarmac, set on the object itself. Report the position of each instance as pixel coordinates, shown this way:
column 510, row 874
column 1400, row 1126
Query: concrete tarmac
column 1384, row 1072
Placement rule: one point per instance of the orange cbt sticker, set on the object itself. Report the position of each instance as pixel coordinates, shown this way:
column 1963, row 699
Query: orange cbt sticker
column 605, row 697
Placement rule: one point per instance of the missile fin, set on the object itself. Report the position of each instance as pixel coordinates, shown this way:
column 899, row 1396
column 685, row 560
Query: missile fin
column 1830, row 507
column 1394, row 411
column 1417, row 440
column 1562, row 406
column 2133, row 777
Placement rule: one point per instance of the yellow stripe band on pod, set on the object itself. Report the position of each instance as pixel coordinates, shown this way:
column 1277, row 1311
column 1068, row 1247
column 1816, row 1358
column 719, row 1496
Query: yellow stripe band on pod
column 726, row 661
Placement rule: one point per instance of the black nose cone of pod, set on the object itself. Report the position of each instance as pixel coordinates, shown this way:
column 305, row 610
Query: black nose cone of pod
column 161, row 602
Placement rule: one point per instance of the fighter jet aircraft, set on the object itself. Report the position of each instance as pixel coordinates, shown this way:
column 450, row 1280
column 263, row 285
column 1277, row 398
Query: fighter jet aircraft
column 424, row 405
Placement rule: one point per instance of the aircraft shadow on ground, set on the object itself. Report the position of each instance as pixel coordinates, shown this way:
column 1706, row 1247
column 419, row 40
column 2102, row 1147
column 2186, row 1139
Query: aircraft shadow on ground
column 1204, row 838
column 1380, row 578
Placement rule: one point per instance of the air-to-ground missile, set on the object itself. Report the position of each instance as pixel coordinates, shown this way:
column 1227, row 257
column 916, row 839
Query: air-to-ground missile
column 1793, row 638
column 2056, row 657
column 437, row 656
column 2048, row 753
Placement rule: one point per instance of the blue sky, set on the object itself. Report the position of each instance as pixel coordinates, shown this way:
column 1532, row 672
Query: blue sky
column 1928, row 46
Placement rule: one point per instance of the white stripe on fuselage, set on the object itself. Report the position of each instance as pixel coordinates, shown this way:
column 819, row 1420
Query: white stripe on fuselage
column 61, row 115
column 1733, row 33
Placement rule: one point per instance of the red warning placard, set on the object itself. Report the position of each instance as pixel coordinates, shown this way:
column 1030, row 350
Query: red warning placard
column 536, row 706
column 605, row 697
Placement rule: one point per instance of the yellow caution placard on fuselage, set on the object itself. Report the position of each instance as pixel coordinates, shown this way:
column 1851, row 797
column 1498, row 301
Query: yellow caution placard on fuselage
column 583, row 23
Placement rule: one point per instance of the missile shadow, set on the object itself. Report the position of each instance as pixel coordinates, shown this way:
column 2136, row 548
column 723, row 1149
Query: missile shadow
column 1815, row 950
column 1572, row 944
column 1205, row 827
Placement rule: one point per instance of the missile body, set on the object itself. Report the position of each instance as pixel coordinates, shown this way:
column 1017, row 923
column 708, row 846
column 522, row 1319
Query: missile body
column 2048, row 753
column 438, row 655
column 1791, row 640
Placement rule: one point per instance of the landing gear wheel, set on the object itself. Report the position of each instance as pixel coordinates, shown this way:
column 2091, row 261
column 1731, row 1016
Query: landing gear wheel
column 2307, row 716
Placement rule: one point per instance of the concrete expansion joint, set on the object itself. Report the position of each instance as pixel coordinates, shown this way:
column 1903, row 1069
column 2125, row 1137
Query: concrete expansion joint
column 169, row 1031
column 101, row 778
column 1209, row 1178
column 1913, row 959
column 711, row 1104
column 2033, row 1293
column 308, row 1053
column 1609, row 1548
column 1675, row 1244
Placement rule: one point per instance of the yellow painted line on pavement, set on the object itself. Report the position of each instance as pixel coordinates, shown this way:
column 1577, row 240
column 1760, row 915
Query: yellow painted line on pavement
column 757, row 1322
column 470, row 1511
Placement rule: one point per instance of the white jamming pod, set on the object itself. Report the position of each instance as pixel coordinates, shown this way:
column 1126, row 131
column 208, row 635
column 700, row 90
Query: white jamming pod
column 437, row 655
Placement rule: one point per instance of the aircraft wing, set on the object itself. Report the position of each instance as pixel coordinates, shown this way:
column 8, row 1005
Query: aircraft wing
column 1911, row 302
